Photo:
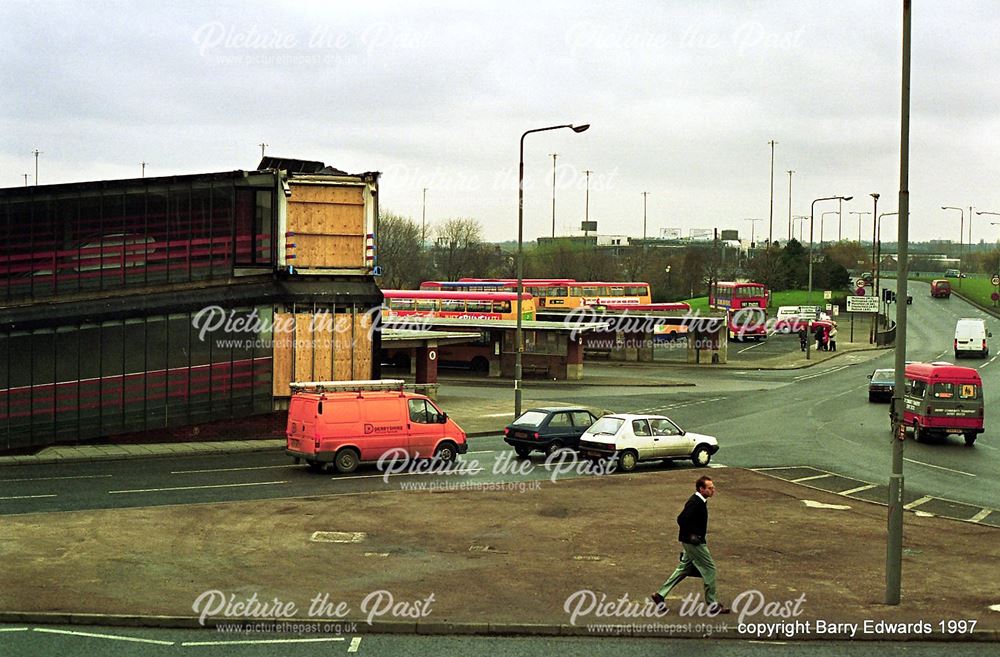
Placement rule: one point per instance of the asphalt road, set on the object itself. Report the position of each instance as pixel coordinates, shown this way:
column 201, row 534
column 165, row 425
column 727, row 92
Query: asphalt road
column 817, row 417
column 32, row 641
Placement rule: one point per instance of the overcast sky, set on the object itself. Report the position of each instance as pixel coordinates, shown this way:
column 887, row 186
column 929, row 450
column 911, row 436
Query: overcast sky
column 682, row 98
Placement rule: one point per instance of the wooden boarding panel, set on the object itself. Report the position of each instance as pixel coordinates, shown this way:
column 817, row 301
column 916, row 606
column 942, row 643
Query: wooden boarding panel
column 362, row 347
column 282, row 355
column 303, row 348
column 343, row 348
column 311, row 218
column 323, row 348
column 344, row 194
column 328, row 251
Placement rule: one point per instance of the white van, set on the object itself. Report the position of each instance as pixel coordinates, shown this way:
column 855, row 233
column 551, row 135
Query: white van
column 970, row 337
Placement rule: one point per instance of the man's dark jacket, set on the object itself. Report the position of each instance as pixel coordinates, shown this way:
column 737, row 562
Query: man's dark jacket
column 693, row 521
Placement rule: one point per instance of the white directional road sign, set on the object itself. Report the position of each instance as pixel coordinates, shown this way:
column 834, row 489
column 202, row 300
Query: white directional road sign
column 862, row 304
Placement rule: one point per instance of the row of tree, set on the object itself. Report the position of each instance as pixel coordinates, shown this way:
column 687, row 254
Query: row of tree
column 455, row 248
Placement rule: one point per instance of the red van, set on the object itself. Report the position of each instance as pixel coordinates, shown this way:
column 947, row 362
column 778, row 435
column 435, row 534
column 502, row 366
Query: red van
column 942, row 399
column 352, row 422
column 941, row 288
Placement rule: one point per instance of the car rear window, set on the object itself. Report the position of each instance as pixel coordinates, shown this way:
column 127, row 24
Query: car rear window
column 606, row 425
column 531, row 418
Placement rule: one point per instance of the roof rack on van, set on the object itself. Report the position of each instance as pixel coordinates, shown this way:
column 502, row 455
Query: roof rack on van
column 347, row 386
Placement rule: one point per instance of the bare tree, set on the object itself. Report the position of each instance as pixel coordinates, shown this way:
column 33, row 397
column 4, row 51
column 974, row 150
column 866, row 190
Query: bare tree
column 399, row 252
column 459, row 249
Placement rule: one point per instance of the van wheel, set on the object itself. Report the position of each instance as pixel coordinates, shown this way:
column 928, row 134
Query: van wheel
column 918, row 433
column 445, row 452
column 316, row 466
column 553, row 447
column 523, row 452
column 701, row 456
column 346, row 461
column 956, row 354
column 970, row 439
column 627, row 460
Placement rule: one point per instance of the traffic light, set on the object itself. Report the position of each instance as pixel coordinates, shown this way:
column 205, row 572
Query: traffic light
column 888, row 296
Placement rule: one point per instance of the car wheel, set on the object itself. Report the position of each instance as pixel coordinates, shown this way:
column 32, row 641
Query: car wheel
column 701, row 456
column 445, row 452
column 956, row 354
column 918, row 433
column 346, row 461
column 523, row 452
column 871, row 397
column 627, row 460
column 553, row 447
column 970, row 439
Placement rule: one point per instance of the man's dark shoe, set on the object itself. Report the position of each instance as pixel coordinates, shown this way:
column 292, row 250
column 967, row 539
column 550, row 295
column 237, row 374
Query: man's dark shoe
column 658, row 601
column 717, row 608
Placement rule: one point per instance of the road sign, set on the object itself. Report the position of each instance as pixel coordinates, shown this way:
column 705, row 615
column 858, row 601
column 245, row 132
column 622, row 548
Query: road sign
column 995, row 280
column 860, row 291
column 807, row 312
column 859, row 283
column 995, row 296
column 827, row 294
column 862, row 304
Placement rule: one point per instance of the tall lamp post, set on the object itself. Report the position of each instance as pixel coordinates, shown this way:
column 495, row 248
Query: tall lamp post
column 802, row 219
column 753, row 225
column 554, row 156
column 992, row 223
column 822, row 227
column 812, row 214
column 519, row 346
column 961, row 231
column 644, row 195
column 878, row 249
column 423, row 221
column 770, row 225
column 790, row 172
column 860, row 214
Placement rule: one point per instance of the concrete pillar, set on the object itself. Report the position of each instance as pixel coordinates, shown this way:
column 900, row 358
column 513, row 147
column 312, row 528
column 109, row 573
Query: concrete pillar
column 427, row 365
column 574, row 358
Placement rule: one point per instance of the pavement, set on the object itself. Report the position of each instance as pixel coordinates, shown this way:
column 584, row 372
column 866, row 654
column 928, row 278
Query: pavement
column 553, row 557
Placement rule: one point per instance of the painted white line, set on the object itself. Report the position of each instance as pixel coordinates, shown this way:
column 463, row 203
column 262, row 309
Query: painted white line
column 112, row 637
column 14, row 629
column 252, row 642
column 753, row 346
column 255, row 467
column 801, row 479
column 852, row 491
column 981, row 515
column 104, row 476
column 355, row 642
column 25, row 497
column 401, row 474
column 173, row 488
column 485, row 451
column 916, row 503
column 505, row 414
column 786, row 467
column 939, row 467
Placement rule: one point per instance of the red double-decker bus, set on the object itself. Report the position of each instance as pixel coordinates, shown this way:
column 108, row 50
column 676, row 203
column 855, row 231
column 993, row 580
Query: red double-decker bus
column 745, row 305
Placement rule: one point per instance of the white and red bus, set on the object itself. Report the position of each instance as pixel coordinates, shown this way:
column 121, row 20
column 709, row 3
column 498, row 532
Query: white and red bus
column 557, row 293
column 465, row 305
column 745, row 305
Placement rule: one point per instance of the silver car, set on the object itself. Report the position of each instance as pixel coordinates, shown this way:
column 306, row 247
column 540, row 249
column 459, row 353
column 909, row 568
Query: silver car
column 631, row 439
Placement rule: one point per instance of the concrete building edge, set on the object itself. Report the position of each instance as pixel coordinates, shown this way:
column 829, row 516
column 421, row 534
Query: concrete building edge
column 440, row 628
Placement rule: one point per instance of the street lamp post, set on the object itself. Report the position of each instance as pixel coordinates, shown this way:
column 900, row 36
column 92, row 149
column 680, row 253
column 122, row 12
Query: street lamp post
column 770, row 225
column 790, row 172
column 802, row 220
column 878, row 250
column 586, row 204
column 554, row 156
column 812, row 214
column 644, row 195
column 519, row 343
column 860, row 214
column 874, row 241
column 822, row 228
column 423, row 221
column 753, row 225
column 961, row 231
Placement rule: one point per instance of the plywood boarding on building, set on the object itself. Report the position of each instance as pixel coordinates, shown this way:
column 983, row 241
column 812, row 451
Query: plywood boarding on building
column 329, row 226
column 321, row 350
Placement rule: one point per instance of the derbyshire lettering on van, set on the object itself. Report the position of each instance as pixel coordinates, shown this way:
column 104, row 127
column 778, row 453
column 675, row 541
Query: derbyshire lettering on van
column 382, row 428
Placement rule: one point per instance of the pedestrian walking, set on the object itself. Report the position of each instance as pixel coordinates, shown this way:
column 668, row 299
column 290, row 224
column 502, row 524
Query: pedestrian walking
column 803, row 338
column 833, row 337
column 819, row 337
column 695, row 559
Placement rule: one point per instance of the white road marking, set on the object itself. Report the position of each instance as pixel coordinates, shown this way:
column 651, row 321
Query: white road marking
column 252, row 642
column 355, row 642
column 939, row 467
column 401, row 474
column 173, row 488
column 104, row 476
column 113, row 637
column 801, row 479
column 916, row 503
column 852, row 491
column 14, row 629
column 823, row 373
column 504, row 414
column 25, row 497
column 753, row 346
column 981, row 515
column 254, row 467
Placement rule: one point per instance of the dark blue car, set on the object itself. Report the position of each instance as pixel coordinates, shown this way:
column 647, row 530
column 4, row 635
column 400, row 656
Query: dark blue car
column 548, row 429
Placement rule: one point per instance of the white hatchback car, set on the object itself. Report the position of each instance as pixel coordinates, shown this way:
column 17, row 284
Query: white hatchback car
column 634, row 438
